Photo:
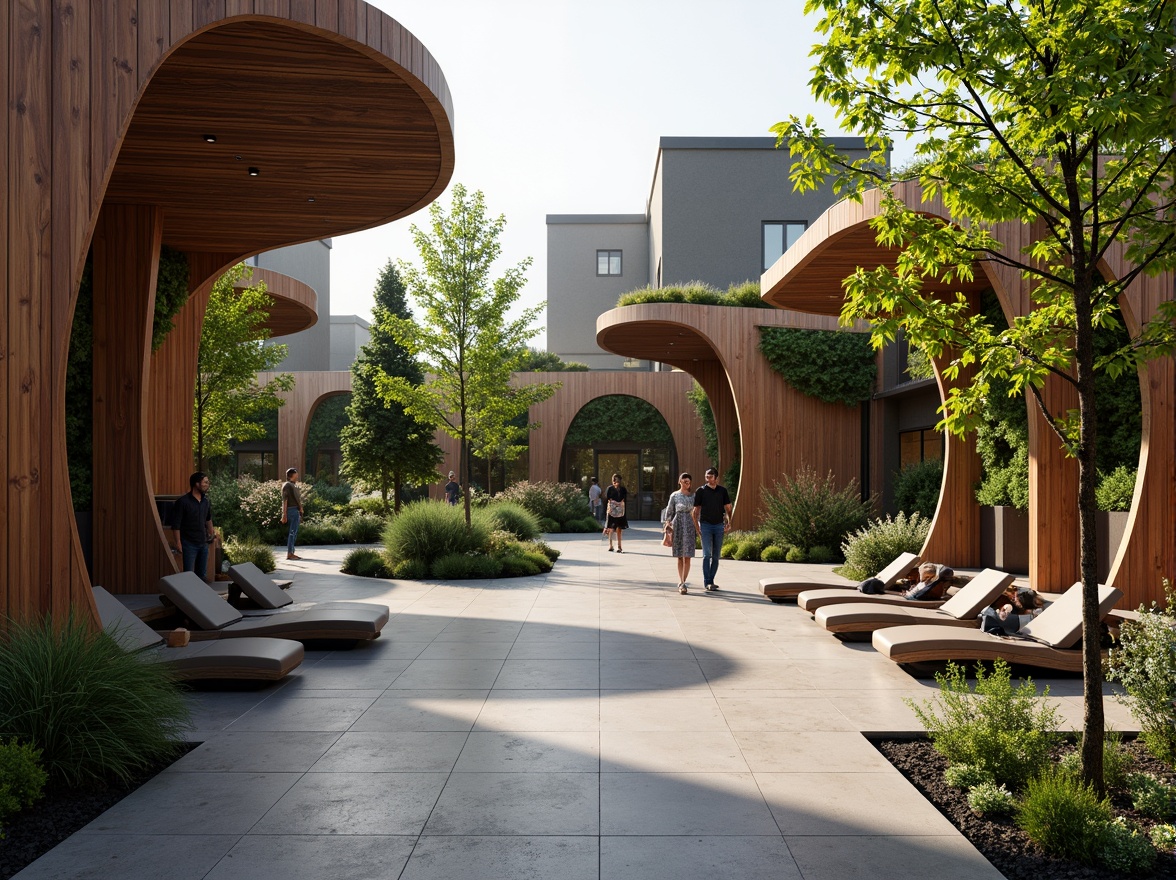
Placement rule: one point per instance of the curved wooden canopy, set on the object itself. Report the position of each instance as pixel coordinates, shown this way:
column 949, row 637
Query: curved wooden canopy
column 295, row 306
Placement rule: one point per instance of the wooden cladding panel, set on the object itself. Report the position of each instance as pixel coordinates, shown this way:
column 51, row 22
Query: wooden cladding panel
column 310, row 388
column 780, row 429
column 73, row 74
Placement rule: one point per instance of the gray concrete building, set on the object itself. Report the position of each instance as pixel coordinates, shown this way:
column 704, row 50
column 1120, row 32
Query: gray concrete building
column 310, row 263
column 719, row 210
column 349, row 333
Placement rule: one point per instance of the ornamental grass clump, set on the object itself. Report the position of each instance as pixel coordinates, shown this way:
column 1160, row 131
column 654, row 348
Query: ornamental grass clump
column 807, row 510
column 428, row 530
column 95, row 711
column 514, row 518
column 1002, row 730
column 870, row 549
column 366, row 562
column 241, row 550
column 1144, row 662
column 1064, row 816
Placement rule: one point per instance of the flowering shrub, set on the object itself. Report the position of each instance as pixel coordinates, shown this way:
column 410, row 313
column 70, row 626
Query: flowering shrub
column 263, row 505
column 561, row 502
column 870, row 549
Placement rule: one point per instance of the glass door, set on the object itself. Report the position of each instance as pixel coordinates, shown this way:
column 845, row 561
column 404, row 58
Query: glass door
column 628, row 465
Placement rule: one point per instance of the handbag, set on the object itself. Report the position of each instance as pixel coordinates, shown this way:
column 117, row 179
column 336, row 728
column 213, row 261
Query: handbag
column 616, row 508
column 668, row 537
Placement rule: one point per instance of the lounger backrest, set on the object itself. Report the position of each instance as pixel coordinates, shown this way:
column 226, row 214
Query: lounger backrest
column 198, row 600
column 120, row 622
column 1060, row 625
column 891, row 573
column 976, row 595
column 258, row 586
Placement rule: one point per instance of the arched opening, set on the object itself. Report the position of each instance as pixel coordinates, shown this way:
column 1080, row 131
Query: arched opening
column 322, row 455
column 628, row 436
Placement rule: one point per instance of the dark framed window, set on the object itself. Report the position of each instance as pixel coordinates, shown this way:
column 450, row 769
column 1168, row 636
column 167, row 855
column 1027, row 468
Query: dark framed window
column 608, row 262
column 920, row 445
column 779, row 236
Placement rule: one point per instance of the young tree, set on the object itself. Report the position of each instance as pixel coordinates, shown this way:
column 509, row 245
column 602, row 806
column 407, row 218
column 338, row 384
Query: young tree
column 229, row 401
column 463, row 336
column 383, row 446
column 1057, row 116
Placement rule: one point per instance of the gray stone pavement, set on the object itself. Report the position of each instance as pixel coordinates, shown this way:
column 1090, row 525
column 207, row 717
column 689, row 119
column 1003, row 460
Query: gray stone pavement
column 589, row 723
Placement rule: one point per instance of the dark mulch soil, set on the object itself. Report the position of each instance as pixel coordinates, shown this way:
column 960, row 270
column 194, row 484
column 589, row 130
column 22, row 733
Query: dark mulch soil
column 61, row 812
column 1005, row 845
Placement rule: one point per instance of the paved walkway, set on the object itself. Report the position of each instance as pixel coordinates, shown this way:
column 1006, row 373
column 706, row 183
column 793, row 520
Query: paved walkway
column 590, row 723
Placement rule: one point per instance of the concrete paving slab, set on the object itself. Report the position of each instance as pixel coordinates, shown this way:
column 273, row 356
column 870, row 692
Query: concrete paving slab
column 504, row 858
column 354, row 803
column 130, row 856
column 697, row 857
column 313, row 857
column 530, row 752
column 714, row 804
column 517, row 804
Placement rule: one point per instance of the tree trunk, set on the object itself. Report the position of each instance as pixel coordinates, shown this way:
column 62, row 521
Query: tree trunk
column 464, row 476
column 396, row 484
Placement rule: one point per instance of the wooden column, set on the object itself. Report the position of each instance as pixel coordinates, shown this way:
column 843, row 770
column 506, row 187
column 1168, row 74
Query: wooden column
column 714, row 382
column 129, row 549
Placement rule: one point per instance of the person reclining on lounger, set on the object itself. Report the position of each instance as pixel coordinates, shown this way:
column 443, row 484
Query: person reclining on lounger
column 1015, row 607
column 931, row 583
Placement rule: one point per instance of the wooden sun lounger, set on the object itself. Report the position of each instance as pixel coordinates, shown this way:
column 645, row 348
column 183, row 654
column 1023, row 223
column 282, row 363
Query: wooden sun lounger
column 214, row 618
column 781, row 589
column 962, row 609
column 1050, row 640
column 251, row 659
column 811, row 600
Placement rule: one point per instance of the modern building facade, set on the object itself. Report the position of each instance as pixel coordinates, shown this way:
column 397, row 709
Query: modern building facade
column 719, row 210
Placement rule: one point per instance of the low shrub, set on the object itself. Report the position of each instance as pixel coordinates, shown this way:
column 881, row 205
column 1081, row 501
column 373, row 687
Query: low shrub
column 518, row 565
column 226, row 494
column 1064, row 816
column 428, row 530
column 820, row 554
column 546, row 549
column 732, row 540
column 263, row 505
column 807, row 510
column 870, row 549
column 463, row 566
column 325, row 499
column 795, row 554
column 239, row 551
column 322, row 531
column 22, row 778
column 917, row 487
column 372, row 504
column 93, row 710
column 773, row 553
column 998, row 728
column 747, row 550
column 1149, row 795
column 581, row 526
column 1144, row 662
column 514, row 518
column 561, row 502
column 365, row 562
column 1116, row 489
column 1116, row 761
column 990, row 799
column 411, row 569
column 550, row 526
column 1163, row 837
column 362, row 528
column 1125, row 849
column 967, row 776
column 745, row 295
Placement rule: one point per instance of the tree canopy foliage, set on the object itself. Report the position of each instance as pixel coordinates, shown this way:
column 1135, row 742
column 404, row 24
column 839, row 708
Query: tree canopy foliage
column 463, row 335
column 538, row 361
column 383, row 446
column 230, row 402
column 1057, row 117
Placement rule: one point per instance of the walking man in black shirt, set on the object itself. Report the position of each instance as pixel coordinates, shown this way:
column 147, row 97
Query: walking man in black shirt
column 712, row 516
column 191, row 525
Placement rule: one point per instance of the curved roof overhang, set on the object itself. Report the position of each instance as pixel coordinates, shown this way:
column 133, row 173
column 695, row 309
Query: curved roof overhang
column 339, row 137
column 295, row 306
column 810, row 276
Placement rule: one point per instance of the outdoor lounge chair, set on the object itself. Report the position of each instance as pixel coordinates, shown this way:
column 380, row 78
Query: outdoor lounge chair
column 252, row 659
column 1049, row 640
column 811, row 600
column 247, row 578
column 780, row 589
column 213, row 618
column 962, row 609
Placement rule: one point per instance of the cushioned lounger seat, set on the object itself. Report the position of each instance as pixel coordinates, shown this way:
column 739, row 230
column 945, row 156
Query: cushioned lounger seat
column 811, row 600
column 1050, row 640
column 962, row 609
column 252, row 659
column 216, row 618
column 779, row 589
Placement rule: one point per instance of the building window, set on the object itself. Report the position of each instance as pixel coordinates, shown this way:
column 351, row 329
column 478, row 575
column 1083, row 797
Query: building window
column 259, row 465
column 917, row 446
column 779, row 237
column 608, row 262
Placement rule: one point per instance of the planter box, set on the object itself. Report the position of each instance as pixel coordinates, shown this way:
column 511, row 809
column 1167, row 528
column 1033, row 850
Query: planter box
column 1110, row 525
column 1004, row 539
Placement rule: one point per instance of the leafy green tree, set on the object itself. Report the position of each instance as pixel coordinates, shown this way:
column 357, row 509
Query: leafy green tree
column 383, row 446
column 230, row 403
column 537, row 361
column 1057, row 116
column 463, row 336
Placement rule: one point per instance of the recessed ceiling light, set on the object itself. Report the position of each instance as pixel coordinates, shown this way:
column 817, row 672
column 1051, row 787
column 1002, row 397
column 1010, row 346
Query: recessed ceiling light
column 310, row 199
column 210, row 138
column 239, row 159
column 254, row 172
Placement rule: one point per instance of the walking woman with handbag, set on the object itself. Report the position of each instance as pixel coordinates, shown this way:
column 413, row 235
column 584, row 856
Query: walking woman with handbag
column 616, row 522
column 679, row 534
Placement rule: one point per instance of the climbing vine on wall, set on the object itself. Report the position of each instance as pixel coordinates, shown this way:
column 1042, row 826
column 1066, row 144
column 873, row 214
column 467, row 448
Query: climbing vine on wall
column 616, row 418
column 836, row 367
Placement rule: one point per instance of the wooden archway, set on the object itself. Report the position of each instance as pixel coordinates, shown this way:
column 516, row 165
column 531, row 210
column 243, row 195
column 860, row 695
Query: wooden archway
column 218, row 129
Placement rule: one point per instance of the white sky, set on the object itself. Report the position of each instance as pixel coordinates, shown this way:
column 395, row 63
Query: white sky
column 559, row 105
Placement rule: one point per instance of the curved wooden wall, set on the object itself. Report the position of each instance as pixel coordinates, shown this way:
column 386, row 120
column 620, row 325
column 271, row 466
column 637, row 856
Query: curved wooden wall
column 809, row 276
column 310, row 389
column 780, row 429
column 349, row 120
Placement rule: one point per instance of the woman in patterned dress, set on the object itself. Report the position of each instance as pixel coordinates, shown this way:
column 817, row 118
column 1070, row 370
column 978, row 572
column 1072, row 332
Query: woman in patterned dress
column 679, row 523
